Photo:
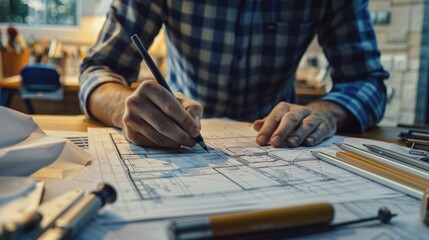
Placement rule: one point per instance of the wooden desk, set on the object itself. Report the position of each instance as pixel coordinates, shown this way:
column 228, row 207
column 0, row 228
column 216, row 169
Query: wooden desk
column 81, row 123
column 78, row 123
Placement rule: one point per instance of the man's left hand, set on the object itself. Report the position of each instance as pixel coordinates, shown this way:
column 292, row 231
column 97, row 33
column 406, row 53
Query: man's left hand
column 294, row 125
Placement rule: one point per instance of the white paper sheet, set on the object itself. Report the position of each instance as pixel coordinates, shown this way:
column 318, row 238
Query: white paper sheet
column 25, row 148
column 236, row 175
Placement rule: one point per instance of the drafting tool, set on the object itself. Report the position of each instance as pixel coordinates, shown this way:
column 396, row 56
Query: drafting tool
column 19, row 199
column 48, row 212
column 416, row 193
column 68, row 224
column 252, row 221
column 415, row 134
column 420, row 163
column 404, row 167
column 367, row 174
column 384, row 170
column 53, row 209
column 384, row 216
column 285, row 223
column 19, row 195
column 63, row 216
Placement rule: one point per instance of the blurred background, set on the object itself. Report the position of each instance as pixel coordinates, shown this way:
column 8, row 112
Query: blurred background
column 59, row 32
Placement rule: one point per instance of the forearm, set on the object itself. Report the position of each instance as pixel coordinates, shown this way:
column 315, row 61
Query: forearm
column 107, row 103
column 344, row 119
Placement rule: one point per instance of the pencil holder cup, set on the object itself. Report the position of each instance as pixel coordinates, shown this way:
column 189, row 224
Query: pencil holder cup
column 13, row 62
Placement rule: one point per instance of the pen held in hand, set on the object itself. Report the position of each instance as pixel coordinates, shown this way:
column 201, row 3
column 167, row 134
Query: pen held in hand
column 158, row 76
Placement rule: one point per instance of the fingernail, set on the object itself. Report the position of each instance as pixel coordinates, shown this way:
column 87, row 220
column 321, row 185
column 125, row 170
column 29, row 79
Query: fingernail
column 310, row 140
column 262, row 139
column 276, row 140
column 294, row 140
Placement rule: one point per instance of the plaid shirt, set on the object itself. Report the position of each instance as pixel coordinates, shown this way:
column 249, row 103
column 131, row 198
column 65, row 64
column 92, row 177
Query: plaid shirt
column 238, row 58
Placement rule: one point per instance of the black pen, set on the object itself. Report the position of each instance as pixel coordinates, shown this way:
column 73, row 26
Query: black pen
column 158, row 76
column 422, row 163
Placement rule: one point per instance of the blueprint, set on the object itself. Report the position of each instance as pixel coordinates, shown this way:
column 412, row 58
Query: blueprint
column 235, row 175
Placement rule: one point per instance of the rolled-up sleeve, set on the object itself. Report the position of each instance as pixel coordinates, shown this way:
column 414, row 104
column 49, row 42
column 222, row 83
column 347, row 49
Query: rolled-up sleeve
column 349, row 42
column 113, row 58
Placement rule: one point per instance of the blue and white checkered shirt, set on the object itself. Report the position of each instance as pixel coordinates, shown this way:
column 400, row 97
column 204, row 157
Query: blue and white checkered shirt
column 238, row 58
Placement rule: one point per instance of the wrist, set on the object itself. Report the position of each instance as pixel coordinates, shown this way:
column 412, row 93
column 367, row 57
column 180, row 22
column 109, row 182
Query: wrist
column 342, row 117
column 107, row 103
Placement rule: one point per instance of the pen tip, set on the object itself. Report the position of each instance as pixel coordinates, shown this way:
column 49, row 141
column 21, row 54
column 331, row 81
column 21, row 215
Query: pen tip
column 206, row 149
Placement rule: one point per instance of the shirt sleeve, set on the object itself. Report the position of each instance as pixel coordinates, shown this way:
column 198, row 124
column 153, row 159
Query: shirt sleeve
column 113, row 58
column 349, row 43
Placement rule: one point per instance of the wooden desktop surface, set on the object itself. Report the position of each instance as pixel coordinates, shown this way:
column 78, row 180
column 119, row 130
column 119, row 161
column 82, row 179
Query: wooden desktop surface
column 81, row 123
column 78, row 123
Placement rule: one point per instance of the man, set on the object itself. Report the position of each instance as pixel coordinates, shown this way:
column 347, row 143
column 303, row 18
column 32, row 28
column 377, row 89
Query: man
column 238, row 59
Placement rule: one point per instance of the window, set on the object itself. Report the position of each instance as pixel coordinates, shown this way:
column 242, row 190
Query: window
column 40, row 12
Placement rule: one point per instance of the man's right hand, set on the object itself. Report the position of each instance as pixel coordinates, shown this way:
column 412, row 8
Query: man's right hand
column 154, row 118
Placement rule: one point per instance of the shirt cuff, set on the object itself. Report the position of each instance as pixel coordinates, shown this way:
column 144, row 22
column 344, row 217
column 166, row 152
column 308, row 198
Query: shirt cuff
column 366, row 100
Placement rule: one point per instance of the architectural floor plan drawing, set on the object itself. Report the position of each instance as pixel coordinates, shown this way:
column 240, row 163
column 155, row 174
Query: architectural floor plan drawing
column 236, row 174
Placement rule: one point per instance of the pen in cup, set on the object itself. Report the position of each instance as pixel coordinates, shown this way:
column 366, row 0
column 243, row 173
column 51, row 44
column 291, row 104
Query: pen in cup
column 158, row 76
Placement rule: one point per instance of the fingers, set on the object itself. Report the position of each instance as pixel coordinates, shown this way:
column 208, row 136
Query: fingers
column 140, row 132
column 302, row 133
column 323, row 131
column 152, row 123
column 257, row 125
column 171, row 107
column 155, row 118
column 270, row 124
column 293, row 125
column 289, row 122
